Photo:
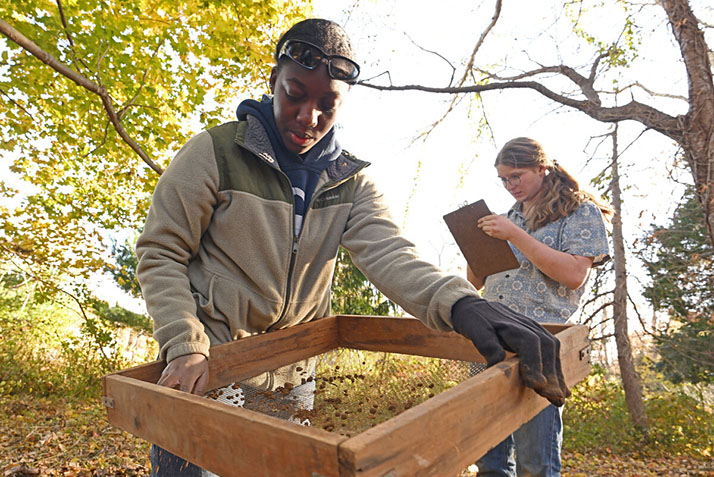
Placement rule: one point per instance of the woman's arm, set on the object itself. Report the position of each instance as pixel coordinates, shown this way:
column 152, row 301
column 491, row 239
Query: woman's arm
column 570, row 270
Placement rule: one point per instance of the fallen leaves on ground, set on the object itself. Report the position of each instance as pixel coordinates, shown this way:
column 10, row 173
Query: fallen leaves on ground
column 576, row 464
column 62, row 437
column 607, row 464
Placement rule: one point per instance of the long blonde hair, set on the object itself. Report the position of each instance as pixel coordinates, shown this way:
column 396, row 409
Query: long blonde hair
column 559, row 195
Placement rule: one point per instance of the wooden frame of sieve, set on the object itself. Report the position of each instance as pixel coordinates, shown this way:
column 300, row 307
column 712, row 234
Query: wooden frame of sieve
column 440, row 436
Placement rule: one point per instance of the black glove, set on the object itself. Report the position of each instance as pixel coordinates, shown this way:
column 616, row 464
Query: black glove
column 494, row 329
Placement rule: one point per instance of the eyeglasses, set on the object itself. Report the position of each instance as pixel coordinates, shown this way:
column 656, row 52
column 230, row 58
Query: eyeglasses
column 310, row 56
column 513, row 181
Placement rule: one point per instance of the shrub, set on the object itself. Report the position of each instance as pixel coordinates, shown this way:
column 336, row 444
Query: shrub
column 47, row 348
column 596, row 419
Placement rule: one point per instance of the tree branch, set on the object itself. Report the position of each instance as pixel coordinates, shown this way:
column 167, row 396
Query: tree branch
column 81, row 81
column 453, row 68
column 9, row 98
column 585, row 84
column 602, row 337
column 650, row 92
column 597, row 312
column 482, row 38
column 141, row 85
column 647, row 115
column 639, row 316
column 456, row 99
column 104, row 141
column 69, row 36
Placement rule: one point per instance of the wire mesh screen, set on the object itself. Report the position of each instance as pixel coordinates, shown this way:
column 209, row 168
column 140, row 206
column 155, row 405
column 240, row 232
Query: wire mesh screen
column 347, row 391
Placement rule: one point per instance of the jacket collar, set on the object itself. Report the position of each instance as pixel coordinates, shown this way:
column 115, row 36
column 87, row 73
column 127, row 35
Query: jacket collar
column 252, row 136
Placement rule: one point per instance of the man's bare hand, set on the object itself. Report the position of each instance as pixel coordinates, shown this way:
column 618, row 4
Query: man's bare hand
column 188, row 373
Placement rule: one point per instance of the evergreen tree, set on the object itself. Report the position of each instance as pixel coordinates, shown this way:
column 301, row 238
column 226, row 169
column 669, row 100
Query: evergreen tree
column 353, row 294
column 678, row 258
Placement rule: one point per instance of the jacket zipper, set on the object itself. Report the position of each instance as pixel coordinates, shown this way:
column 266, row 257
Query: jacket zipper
column 293, row 254
column 296, row 238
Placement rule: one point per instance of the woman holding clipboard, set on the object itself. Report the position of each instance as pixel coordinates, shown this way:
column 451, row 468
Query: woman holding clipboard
column 557, row 233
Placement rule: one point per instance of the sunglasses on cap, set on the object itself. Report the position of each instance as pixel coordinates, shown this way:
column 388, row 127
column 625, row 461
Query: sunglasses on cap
column 310, row 56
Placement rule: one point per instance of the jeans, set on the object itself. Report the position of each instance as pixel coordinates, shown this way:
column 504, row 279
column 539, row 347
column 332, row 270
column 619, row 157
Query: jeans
column 533, row 450
column 166, row 464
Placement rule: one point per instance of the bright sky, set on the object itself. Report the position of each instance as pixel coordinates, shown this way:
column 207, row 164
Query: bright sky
column 429, row 178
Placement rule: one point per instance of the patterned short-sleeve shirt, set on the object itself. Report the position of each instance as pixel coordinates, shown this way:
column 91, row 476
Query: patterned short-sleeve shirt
column 530, row 292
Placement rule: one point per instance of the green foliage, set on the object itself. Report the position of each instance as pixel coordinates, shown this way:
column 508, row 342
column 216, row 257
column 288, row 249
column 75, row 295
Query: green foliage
column 353, row 294
column 121, row 316
column 169, row 67
column 679, row 261
column 37, row 352
column 686, row 354
column 586, row 17
column 48, row 348
column 595, row 420
column 124, row 269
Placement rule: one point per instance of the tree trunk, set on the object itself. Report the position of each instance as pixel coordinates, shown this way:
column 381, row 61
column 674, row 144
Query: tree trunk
column 697, row 130
column 630, row 378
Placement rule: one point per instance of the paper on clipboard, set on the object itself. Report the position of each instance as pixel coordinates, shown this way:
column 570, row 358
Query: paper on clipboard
column 485, row 255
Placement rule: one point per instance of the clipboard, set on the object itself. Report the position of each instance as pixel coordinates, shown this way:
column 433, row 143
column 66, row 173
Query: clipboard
column 485, row 255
